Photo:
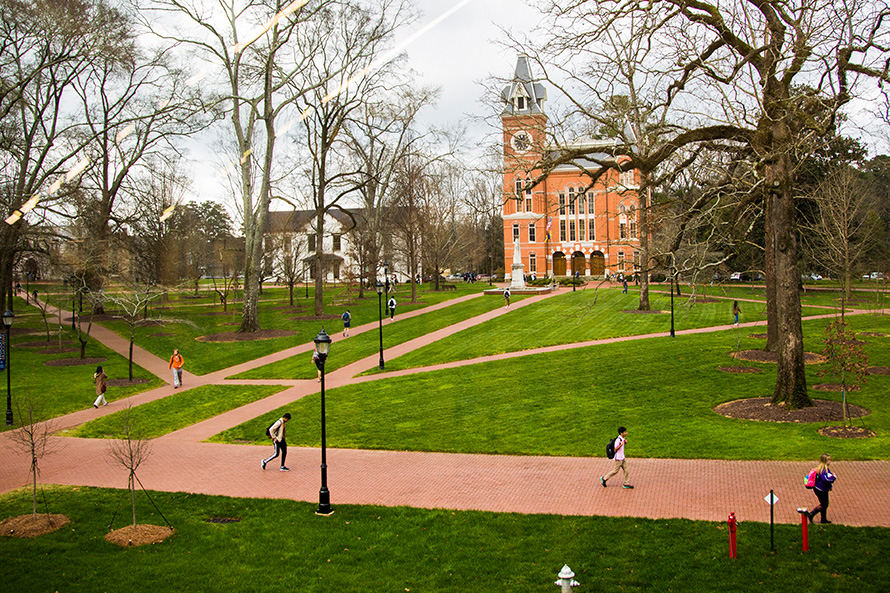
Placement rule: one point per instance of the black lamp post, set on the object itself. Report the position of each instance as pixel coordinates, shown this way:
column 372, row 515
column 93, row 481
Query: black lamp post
column 73, row 304
column 379, row 287
column 673, row 271
column 323, row 346
column 386, row 276
column 8, row 316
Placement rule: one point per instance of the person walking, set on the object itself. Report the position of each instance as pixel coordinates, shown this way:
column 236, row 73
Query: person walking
column 176, row 362
column 315, row 358
column 279, row 442
column 347, row 319
column 620, row 459
column 391, row 306
column 824, row 481
column 736, row 310
column 624, row 286
column 99, row 378
column 506, row 298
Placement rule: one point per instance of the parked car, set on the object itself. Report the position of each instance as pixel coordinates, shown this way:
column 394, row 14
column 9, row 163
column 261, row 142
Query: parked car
column 874, row 276
column 736, row 276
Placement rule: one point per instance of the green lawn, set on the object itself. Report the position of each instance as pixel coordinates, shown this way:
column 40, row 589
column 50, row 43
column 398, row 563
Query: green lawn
column 187, row 323
column 346, row 351
column 282, row 546
column 577, row 317
column 176, row 411
column 569, row 403
column 59, row 390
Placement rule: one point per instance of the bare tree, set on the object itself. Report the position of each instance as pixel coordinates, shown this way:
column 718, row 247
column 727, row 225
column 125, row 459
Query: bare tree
column 766, row 76
column 132, row 301
column 352, row 39
column 846, row 225
column 260, row 71
column 46, row 50
column 380, row 136
column 32, row 436
column 130, row 452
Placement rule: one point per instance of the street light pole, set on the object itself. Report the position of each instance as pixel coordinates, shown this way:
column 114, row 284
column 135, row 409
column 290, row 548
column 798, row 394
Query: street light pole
column 323, row 346
column 379, row 287
column 672, row 301
column 8, row 316
column 73, row 304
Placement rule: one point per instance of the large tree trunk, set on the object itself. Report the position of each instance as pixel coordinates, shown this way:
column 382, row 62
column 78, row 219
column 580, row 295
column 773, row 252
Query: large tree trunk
column 319, row 262
column 644, row 248
column 769, row 269
column 791, row 383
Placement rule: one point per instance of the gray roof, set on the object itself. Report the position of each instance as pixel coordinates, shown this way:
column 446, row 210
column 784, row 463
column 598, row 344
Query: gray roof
column 523, row 85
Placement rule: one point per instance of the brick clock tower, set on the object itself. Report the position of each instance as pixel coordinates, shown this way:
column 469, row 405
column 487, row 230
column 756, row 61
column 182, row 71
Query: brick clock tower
column 563, row 226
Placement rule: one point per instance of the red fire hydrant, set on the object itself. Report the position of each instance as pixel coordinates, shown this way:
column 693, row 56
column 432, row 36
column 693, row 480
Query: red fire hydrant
column 731, row 523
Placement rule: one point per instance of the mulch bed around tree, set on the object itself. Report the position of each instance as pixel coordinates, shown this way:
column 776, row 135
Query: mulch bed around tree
column 43, row 344
column 314, row 317
column 139, row 535
column 32, row 525
column 879, row 370
column 760, row 408
column 773, row 357
column 161, row 335
column 846, row 432
column 758, row 336
column 263, row 334
column 125, row 382
column 872, row 334
column 834, row 387
column 58, row 350
column 20, row 331
column 740, row 369
column 73, row 362
column 652, row 312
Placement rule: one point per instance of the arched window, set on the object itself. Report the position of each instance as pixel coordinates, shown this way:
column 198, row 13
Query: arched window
column 582, row 203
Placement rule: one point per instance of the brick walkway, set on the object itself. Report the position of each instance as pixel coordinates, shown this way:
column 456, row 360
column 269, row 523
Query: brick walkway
column 665, row 488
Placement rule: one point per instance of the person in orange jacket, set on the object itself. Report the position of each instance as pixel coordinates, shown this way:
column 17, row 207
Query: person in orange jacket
column 176, row 364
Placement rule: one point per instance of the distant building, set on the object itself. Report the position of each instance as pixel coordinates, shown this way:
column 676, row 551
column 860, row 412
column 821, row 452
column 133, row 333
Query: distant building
column 291, row 235
column 562, row 226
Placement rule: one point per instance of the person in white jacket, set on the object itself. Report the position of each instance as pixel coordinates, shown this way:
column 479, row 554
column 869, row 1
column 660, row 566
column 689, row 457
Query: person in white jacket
column 279, row 441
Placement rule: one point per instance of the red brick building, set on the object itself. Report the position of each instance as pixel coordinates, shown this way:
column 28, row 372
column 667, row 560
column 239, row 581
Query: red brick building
column 562, row 225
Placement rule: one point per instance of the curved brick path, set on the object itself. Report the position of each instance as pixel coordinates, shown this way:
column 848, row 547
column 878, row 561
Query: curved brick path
column 665, row 488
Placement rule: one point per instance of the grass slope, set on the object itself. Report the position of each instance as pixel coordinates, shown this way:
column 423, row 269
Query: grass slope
column 570, row 402
column 282, row 546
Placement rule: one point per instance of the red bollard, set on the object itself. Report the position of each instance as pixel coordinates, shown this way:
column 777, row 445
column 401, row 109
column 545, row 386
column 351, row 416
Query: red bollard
column 731, row 522
column 804, row 524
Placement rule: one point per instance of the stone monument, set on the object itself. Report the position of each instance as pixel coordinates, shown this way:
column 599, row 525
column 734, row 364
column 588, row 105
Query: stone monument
column 517, row 279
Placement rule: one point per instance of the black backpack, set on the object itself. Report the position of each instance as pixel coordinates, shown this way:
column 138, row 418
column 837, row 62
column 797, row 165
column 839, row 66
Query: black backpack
column 269, row 428
column 610, row 449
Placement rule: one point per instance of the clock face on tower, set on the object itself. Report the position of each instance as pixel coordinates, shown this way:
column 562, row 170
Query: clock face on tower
column 521, row 141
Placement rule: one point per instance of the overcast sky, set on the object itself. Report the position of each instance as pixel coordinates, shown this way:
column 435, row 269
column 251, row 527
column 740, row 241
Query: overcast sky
column 461, row 51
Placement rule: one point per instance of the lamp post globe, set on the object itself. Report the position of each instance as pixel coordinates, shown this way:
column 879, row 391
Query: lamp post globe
column 323, row 347
column 8, row 316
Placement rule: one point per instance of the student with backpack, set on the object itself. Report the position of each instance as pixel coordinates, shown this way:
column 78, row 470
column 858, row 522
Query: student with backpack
column 616, row 445
column 347, row 321
column 506, row 298
column 279, row 441
column 391, row 306
column 820, row 480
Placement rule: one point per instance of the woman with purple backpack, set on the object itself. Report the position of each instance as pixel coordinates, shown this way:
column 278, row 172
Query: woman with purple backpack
column 821, row 488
